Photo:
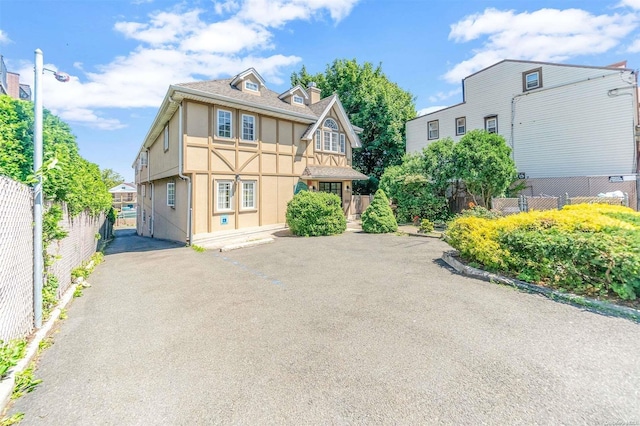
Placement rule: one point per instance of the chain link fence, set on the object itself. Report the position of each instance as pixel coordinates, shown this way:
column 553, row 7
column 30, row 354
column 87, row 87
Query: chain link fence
column 81, row 242
column 16, row 254
column 16, row 259
column 555, row 193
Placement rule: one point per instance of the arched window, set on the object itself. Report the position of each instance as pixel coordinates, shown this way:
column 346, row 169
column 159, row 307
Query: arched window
column 331, row 124
column 332, row 140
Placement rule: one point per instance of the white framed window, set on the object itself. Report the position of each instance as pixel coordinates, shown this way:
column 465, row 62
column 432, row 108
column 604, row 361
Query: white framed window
column 331, row 139
column 248, row 127
column 144, row 159
column 330, row 123
column 434, row 130
column 491, row 124
column 318, row 140
column 171, row 194
column 250, row 85
column 224, row 189
column 166, row 137
column 143, row 190
column 461, row 126
column 224, row 124
column 342, row 143
column 248, row 194
column 532, row 79
column 298, row 100
column 144, row 215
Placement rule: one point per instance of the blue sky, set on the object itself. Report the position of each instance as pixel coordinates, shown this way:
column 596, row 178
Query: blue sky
column 123, row 54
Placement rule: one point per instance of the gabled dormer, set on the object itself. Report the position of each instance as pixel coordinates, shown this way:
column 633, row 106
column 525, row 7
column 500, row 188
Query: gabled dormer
column 249, row 81
column 295, row 96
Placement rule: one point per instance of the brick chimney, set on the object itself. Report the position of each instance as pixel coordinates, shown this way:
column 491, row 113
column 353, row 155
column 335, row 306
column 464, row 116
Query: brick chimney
column 314, row 93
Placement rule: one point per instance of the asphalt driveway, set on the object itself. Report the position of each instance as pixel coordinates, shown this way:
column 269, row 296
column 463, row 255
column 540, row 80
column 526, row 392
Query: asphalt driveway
column 352, row 329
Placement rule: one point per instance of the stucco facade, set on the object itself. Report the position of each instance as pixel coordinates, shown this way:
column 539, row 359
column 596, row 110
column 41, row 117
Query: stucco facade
column 228, row 154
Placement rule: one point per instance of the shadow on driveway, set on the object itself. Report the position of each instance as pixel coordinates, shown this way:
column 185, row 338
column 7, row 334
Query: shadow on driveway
column 126, row 241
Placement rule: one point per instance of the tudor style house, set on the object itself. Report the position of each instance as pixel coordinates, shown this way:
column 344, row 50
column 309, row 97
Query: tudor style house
column 229, row 154
column 573, row 129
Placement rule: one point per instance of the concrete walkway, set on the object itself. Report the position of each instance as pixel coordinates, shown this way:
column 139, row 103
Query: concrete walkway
column 351, row 329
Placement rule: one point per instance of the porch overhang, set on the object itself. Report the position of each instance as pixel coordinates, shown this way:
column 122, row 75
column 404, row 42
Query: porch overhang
column 332, row 173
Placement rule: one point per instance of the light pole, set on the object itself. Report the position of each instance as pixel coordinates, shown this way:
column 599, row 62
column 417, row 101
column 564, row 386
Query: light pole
column 38, row 259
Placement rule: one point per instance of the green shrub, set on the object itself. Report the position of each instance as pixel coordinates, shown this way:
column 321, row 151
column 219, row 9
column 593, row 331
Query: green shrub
column 586, row 249
column 478, row 211
column 313, row 214
column 378, row 217
column 426, row 226
column 10, row 354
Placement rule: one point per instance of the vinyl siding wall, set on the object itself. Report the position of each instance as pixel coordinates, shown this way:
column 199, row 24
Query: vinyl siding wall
column 569, row 127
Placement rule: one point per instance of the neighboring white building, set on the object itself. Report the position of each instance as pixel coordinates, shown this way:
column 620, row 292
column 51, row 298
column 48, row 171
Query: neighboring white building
column 572, row 128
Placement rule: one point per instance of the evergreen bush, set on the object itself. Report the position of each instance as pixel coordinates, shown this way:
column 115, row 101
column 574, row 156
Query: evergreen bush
column 378, row 217
column 312, row 214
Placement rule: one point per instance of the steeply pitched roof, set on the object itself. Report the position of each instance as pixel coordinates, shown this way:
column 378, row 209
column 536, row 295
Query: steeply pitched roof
column 268, row 98
column 293, row 90
column 238, row 78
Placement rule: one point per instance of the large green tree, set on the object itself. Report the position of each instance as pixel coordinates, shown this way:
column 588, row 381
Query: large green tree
column 374, row 103
column 483, row 162
column 425, row 182
column 74, row 180
column 111, row 178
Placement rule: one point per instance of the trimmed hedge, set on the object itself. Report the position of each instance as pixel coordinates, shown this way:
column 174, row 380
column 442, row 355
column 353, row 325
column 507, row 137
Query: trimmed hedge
column 378, row 218
column 590, row 249
column 313, row 214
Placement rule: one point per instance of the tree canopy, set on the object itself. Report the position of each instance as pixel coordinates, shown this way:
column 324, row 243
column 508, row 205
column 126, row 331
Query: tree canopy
column 482, row 160
column 480, row 163
column 69, row 177
column 111, row 178
column 374, row 103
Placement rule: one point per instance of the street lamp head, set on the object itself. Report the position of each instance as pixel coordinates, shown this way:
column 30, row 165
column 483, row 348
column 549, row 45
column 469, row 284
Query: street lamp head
column 62, row 77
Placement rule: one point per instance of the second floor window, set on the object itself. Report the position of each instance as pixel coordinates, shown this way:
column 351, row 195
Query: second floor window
column 332, row 140
column 434, row 131
column 461, row 126
column 298, row 99
column 224, row 123
column 248, row 127
column 491, row 124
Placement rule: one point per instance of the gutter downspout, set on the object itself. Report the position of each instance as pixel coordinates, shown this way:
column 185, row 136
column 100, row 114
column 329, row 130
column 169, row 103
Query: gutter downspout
column 180, row 169
column 150, row 195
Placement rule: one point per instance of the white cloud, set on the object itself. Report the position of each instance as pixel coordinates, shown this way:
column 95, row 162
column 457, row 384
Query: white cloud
column 83, row 115
column 544, row 35
column 441, row 96
column 227, row 6
column 181, row 45
column 635, row 46
column 4, row 38
column 429, row 110
column 275, row 13
column 634, row 4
